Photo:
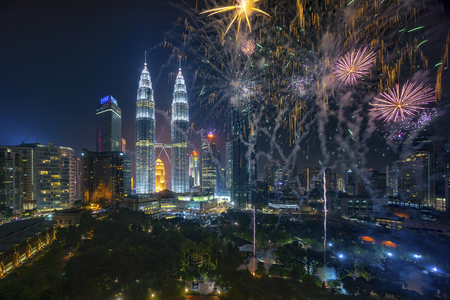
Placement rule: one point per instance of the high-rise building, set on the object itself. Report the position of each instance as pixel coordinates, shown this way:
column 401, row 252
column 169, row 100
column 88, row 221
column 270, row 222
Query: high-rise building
column 109, row 122
column 78, row 183
column 11, row 179
column 53, row 170
column 392, row 175
column 340, row 183
column 194, row 169
column 209, row 166
column 331, row 180
column 351, row 182
column 43, row 177
column 160, row 176
column 416, row 179
column 220, row 179
column 102, row 177
column 270, row 174
column 145, row 135
column 378, row 184
column 311, row 178
column 241, row 168
column 228, row 166
column 180, row 126
column 127, row 184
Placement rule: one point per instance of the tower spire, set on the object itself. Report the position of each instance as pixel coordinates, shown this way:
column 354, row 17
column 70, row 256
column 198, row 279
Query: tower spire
column 145, row 58
column 179, row 64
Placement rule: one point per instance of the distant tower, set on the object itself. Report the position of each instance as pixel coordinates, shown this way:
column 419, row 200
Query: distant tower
column 228, row 166
column 109, row 123
column 160, row 176
column 180, row 125
column 194, row 170
column 209, row 173
column 145, row 135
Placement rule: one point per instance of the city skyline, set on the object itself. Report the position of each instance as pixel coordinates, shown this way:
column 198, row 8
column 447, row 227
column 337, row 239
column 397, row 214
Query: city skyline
column 115, row 70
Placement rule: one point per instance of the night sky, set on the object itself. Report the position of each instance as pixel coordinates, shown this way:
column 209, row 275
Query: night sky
column 59, row 58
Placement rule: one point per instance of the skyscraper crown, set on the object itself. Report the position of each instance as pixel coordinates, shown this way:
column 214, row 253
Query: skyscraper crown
column 180, row 86
column 145, row 81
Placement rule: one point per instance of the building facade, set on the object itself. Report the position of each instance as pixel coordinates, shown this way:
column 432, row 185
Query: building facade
column 228, row 166
column 416, row 180
column 109, row 124
column 78, row 183
column 145, row 135
column 11, row 179
column 209, row 166
column 241, row 168
column 180, row 138
column 102, row 177
column 127, row 184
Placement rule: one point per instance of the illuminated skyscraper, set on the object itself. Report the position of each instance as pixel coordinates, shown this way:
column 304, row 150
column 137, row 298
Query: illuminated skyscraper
column 145, row 135
column 240, row 168
column 209, row 171
column 109, row 122
column 194, row 171
column 228, row 166
column 160, row 176
column 180, row 125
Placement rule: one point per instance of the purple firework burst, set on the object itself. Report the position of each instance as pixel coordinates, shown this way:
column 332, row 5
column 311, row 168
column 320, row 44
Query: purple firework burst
column 354, row 65
column 396, row 103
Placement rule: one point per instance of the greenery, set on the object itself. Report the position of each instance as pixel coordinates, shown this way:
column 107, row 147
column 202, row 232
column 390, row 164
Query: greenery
column 132, row 256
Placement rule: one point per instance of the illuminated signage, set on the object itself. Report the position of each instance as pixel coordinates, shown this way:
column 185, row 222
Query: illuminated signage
column 108, row 99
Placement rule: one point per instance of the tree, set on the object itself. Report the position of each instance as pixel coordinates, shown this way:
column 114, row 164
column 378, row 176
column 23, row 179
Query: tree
column 379, row 287
column 349, row 285
column 298, row 271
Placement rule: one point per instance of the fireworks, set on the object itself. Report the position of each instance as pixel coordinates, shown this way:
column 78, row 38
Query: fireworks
column 243, row 10
column 395, row 104
column 248, row 47
column 354, row 65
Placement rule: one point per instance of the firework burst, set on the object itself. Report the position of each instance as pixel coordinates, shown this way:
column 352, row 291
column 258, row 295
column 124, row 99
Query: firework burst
column 354, row 65
column 248, row 47
column 244, row 9
column 395, row 104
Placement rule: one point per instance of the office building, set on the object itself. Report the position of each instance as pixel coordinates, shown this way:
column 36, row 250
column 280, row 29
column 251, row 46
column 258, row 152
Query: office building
column 109, row 124
column 102, row 177
column 209, row 166
column 228, row 166
column 78, row 183
column 241, row 178
column 127, row 184
column 11, row 179
column 392, row 175
column 270, row 174
column 331, row 180
column 179, row 130
column 53, row 182
column 145, row 135
column 160, row 176
column 416, row 180
column 311, row 178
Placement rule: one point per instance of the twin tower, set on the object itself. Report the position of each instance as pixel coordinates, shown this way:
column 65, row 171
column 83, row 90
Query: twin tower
column 145, row 136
